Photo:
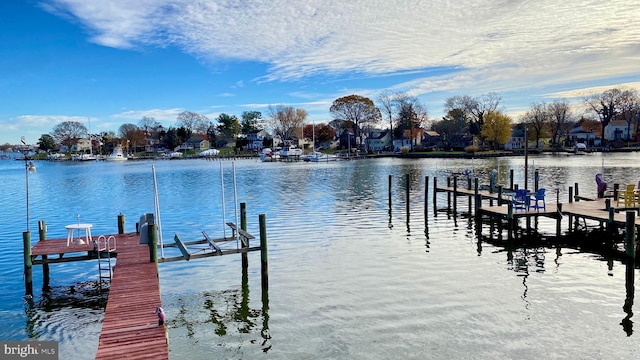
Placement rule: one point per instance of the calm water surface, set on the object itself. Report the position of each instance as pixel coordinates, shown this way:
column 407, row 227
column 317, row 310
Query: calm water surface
column 348, row 278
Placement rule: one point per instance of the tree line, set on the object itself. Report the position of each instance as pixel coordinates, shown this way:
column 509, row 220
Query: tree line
column 478, row 117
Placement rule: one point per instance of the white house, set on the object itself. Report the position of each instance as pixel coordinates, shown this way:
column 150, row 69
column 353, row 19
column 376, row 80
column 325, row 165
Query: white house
column 619, row 130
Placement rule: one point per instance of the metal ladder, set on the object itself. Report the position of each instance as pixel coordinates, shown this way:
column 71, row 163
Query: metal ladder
column 104, row 246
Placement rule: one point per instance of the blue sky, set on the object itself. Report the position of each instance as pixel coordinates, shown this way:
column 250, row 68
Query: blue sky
column 106, row 63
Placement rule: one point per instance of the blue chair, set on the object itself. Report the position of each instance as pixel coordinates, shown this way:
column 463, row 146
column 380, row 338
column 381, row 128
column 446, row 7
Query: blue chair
column 520, row 200
column 538, row 200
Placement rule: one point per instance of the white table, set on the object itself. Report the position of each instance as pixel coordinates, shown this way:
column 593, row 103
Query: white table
column 78, row 227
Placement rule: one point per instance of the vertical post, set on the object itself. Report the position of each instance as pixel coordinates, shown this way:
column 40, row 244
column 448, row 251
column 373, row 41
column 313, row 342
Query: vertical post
column 435, row 196
column 455, row 195
column 390, row 178
column 559, row 221
column 610, row 223
column 243, row 226
column 511, row 179
column 263, row 252
column 153, row 241
column 499, row 195
column 42, row 233
column 536, row 177
column 407, row 189
column 448, row 194
column 615, row 191
column 478, row 206
column 570, row 194
column 120, row 223
column 631, row 237
column 28, row 275
column 469, row 197
column 426, row 198
column 576, row 192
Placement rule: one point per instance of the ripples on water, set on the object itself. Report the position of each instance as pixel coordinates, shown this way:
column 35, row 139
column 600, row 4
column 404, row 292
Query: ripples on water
column 349, row 279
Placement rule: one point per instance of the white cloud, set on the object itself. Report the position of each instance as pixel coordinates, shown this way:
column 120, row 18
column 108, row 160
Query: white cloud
column 157, row 114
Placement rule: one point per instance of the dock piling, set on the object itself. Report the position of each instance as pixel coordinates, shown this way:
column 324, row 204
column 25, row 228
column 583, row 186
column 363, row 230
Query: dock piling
column 407, row 190
column 28, row 272
column 121, row 223
column 264, row 262
column 42, row 234
column 243, row 226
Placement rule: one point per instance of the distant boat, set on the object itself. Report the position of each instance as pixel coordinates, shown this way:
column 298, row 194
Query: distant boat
column 317, row 156
column 268, row 155
column 117, row 155
column 84, row 157
column 291, row 151
column 210, row 152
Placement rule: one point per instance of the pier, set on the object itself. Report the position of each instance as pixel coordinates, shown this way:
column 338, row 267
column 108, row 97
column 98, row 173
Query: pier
column 131, row 328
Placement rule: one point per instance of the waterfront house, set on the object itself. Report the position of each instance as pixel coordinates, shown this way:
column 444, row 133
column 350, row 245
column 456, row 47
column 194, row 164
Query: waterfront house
column 619, row 130
column 255, row 139
column 378, row 140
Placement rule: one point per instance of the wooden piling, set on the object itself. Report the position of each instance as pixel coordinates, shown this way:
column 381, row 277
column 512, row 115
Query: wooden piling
column 153, row 241
column 577, row 197
column 121, row 223
column 469, row 197
column 511, row 180
column 28, row 274
column 559, row 220
column 426, row 199
column 448, row 193
column 631, row 237
column 264, row 262
column 42, row 234
column 455, row 195
column 570, row 194
column 407, row 181
column 243, row 226
column 435, row 196
column 390, row 181
column 535, row 177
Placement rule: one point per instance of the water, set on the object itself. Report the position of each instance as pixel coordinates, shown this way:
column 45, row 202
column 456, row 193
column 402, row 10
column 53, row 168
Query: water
column 348, row 280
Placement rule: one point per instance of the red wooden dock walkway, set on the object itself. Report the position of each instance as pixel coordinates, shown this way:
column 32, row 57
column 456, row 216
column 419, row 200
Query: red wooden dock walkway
column 130, row 328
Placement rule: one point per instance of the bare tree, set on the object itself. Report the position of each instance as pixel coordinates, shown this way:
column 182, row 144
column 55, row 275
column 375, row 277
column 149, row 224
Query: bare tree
column 629, row 108
column 132, row 134
column 285, row 120
column 195, row 122
column 387, row 103
column 68, row 133
column 537, row 119
column 560, row 119
column 606, row 105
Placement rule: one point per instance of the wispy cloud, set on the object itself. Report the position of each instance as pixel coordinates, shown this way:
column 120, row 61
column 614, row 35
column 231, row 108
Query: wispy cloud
column 157, row 114
column 493, row 45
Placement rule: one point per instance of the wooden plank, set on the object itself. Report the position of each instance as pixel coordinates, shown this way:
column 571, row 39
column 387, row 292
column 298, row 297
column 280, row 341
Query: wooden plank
column 130, row 327
column 211, row 243
column 182, row 247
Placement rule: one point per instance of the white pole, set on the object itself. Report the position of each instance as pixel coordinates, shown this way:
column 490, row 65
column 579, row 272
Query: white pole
column 156, row 202
column 235, row 201
column 224, row 221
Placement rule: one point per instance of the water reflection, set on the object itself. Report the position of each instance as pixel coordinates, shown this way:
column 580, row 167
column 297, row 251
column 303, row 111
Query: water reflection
column 627, row 323
column 228, row 313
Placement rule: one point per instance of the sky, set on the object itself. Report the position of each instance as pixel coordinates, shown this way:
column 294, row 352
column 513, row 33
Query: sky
column 108, row 63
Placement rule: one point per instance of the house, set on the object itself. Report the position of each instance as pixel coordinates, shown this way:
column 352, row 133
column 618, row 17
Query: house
column 347, row 139
column 579, row 135
column 378, row 140
column 195, row 142
column 411, row 138
column 431, row 139
column 255, row 139
column 619, row 130
column 81, row 146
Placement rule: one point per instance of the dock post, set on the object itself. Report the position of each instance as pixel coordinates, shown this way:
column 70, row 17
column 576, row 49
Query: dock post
column 576, row 192
column 390, row 178
column 426, row 198
column 631, row 237
column 616, row 187
column 469, row 197
column 478, row 206
column 559, row 220
column 570, row 194
column 407, row 190
column 511, row 179
column 263, row 252
column 28, row 275
column 243, row 226
column 610, row 224
column 448, row 194
column 120, row 223
column 435, row 196
column 535, row 178
column 455, row 195
column 510, row 221
column 500, row 195
column 153, row 241
column 607, row 204
column 42, row 234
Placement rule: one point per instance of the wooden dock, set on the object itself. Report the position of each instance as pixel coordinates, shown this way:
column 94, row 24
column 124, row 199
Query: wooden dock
column 130, row 328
